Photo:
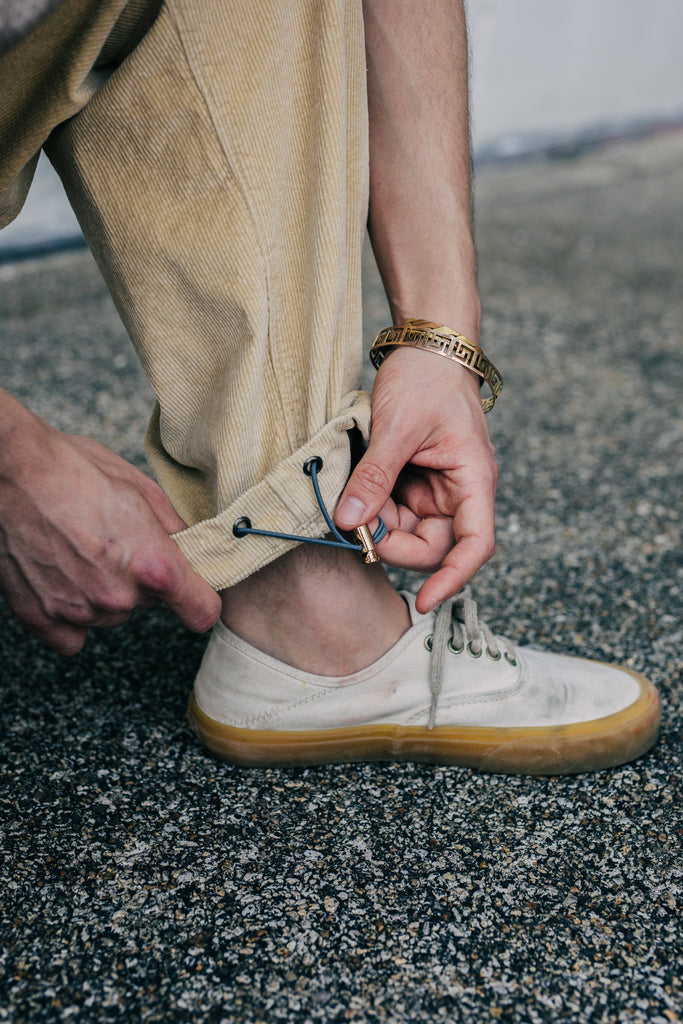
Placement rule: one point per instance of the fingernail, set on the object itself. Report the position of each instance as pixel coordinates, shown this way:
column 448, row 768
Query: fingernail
column 351, row 511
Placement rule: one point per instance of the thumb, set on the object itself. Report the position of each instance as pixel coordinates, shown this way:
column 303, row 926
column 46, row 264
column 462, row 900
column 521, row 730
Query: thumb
column 193, row 601
column 160, row 504
column 369, row 487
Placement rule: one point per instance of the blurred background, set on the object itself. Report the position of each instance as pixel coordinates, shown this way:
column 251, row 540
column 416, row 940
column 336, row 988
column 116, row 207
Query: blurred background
column 546, row 78
column 561, row 74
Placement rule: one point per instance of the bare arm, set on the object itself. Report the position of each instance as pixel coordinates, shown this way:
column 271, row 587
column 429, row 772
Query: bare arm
column 428, row 430
column 420, row 190
column 84, row 536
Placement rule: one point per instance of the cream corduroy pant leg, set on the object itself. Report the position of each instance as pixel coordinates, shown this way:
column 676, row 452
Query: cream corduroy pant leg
column 220, row 177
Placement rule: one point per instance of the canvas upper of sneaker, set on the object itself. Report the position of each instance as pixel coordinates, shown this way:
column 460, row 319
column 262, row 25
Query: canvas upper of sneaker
column 484, row 681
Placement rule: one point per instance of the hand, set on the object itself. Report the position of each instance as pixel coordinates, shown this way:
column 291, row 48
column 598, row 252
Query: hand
column 429, row 471
column 84, row 539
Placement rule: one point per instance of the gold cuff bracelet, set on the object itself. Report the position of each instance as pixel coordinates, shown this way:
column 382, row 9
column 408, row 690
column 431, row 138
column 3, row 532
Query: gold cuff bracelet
column 445, row 342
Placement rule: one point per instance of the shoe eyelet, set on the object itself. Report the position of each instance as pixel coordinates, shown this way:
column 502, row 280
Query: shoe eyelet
column 429, row 642
column 510, row 661
column 453, row 649
column 472, row 653
column 494, row 657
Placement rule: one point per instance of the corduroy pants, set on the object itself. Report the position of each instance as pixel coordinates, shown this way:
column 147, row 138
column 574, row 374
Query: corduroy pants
column 215, row 153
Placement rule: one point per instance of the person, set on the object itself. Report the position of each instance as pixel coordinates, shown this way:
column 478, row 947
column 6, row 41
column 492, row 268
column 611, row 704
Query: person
column 221, row 159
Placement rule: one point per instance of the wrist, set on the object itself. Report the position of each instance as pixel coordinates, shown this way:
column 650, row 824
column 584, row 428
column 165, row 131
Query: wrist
column 428, row 372
column 462, row 313
column 441, row 340
column 22, row 437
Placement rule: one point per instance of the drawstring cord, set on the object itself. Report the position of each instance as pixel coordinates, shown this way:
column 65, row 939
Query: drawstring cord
column 242, row 526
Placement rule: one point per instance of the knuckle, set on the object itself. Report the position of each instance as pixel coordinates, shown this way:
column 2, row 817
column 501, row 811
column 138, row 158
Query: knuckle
column 375, row 478
column 56, row 627
column 159, row 576
column 116, row 602
column 30, row 614
column 80, row 616
column 34, row 620
column 66, row 640
column 486, row 545
column 64, row 611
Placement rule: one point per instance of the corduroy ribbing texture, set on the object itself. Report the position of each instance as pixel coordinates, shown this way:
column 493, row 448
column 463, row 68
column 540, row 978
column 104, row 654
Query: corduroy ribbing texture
column 220, row 177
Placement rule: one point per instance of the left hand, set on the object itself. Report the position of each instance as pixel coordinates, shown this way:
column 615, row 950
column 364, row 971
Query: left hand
column 429, row 471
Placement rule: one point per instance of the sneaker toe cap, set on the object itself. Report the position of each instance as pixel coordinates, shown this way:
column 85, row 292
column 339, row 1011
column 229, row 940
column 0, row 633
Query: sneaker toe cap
column 566, row 690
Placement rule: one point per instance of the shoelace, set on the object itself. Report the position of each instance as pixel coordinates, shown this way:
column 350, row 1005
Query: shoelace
column 456, row 627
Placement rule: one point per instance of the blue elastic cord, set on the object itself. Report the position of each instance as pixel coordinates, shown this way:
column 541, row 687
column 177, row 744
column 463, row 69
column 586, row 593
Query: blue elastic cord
column 243, row 526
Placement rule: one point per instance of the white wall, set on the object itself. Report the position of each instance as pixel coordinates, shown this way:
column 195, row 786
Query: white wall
column 548, row 70
column 543, row 71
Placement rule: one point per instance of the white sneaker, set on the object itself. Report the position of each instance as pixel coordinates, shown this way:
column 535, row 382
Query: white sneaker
column 449, row 692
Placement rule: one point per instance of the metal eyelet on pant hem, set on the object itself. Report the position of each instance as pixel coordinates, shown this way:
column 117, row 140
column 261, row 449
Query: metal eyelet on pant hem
column 315, row 461
column 472, row 653
column 494, row 657
column 511, row 661
column 240, row 526
column 429, row 642
column 455, row 650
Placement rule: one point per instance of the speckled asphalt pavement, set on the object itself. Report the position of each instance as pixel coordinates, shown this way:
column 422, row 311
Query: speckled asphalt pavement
column 143, row 881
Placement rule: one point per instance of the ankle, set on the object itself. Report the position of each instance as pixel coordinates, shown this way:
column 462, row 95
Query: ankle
column 320, row 610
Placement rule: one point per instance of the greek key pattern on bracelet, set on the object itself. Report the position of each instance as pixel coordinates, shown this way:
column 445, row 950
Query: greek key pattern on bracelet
column 444, row 341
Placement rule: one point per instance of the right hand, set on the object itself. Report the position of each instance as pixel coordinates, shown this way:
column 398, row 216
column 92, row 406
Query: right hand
column 429, row 471
column 85, row 539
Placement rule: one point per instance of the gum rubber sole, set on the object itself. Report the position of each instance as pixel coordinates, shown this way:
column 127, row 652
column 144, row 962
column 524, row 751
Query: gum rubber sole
column 534, row 750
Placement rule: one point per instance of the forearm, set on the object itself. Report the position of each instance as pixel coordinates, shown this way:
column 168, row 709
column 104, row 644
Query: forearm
column 19, row 440
column 429, row 469
column 420, row 189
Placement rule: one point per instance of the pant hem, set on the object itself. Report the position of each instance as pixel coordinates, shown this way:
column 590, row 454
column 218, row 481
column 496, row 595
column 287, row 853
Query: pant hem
column 283, row 502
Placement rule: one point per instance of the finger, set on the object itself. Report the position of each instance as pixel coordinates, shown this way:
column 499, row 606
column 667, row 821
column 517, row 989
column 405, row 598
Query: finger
column 112, row 621
column 63, row 638
column 475, row 544
column 369, row 486
column 199, row 606
column 422, row 548
column 173, row 581
column 396, row 517
column 160, row 504
column 416, row 492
